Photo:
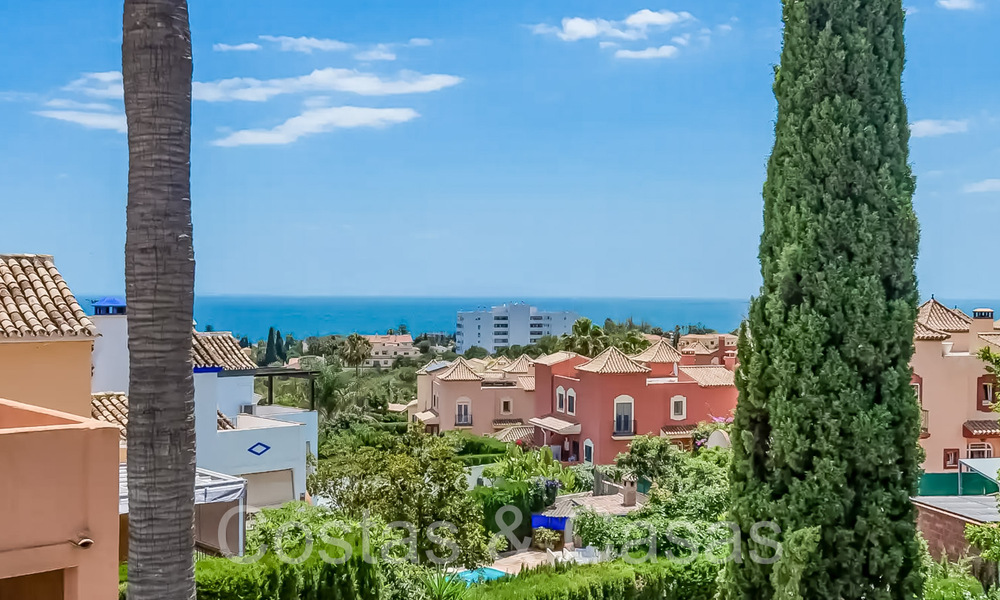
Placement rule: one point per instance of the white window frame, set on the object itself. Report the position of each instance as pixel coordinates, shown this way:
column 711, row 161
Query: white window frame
column 588, row 443
column 982, row 450
column 684, row 404
column 468, row 409
column 571, row 406
column 560, row 399
column 989, row 393
column 623, row 399
column 510, row 404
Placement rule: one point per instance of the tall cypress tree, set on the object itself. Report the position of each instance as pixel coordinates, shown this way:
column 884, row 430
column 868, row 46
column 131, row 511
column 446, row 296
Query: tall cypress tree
column 270, row 352
column 279, row 346
column 827, row 425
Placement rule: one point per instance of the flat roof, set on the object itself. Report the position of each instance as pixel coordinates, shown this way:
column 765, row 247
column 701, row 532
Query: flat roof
column 982, row 509
column 209, row 487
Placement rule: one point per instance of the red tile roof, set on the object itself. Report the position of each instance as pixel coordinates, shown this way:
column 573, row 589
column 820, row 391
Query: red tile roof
column 36, row 302
column 612, row 361
column 219, row 350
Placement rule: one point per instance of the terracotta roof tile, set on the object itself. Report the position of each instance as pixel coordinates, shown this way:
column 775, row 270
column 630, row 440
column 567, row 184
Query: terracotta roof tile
column 460, row 370
column 112, row 407
column 36, row 302
column 660, row 352
column 937, row 316
column 555, row 357
column 710, row 375
column 982, row 428
column 924, row 333
column 991, row 338
column 526, row 383
column 519, row 366
column 695, row 347
column 219, row 350
column 518, row 433
column 612, row 361
column 669, row 430
column 389, row 340
column 501, row 423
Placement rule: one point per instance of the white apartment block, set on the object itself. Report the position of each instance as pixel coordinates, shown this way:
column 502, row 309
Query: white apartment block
column 516, row 324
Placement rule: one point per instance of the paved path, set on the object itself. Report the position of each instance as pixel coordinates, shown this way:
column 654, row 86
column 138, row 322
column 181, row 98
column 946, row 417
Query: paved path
column 513, row 564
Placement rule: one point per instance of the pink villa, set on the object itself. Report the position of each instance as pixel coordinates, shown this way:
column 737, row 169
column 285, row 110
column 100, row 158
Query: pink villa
column 480, row 396
column 955, row 391
column 586, row 410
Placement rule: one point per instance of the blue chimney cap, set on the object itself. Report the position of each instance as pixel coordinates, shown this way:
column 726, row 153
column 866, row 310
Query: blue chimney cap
column 110, row 302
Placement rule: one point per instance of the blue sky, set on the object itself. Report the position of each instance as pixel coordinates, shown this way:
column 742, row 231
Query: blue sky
column 461, row 148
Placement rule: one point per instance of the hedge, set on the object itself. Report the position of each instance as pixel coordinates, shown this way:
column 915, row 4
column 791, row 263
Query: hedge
column 472, row 460
column 661, row 580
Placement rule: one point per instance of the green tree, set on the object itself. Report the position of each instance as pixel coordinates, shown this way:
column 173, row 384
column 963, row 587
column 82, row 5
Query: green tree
column 585, row 338
column 270, row 353
column 826, row 428
column 355, row 349
column 279, row 347
column 476, row 352
column 630, row 341
column 159, row 282
column 244, row 342
column 418, row 480
column 547, row 344
column 675, row 338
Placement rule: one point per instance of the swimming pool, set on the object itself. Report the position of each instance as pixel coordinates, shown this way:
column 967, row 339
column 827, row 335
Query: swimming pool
column 481, row 574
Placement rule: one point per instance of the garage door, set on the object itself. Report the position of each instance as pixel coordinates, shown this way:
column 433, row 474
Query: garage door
column 272, row 488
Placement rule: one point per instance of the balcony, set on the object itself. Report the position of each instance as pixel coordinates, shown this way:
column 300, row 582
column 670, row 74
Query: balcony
column 924, row 423
column 623, row 427
column 463, row 420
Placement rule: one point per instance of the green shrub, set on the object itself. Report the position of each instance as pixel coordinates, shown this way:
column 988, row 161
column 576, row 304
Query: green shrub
column 472, row 460
column 468, row 443
column 662, row 580
column 955, row 587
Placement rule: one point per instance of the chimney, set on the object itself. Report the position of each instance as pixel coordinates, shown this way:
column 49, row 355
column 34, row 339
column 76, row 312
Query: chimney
column 730, row 360
column 982, row 320
column 687, row 358
column 628, row 490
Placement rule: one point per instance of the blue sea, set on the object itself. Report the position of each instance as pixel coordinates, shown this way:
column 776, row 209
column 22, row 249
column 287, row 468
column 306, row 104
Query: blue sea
column 306, row 316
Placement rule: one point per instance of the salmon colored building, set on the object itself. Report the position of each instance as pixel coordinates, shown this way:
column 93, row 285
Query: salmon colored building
column 954, row 390
column 589, row 410
column 58, row 505
column 707, row 348
column 475, row 395
column 46, row 339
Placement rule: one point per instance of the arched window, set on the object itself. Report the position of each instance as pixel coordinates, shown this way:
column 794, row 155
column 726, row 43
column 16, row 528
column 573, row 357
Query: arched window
column 678, row 408
column 571, row 401
column 588, row 451
column 624, row 416
column 560, row 399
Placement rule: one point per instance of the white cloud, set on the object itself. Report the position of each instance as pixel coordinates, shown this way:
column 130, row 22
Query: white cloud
column 681, row 40
column 74, row 105
column 986, row 185
column 420, row 42
column 725, row 28
column 911, row 10
column 935, row 127
column 608, row 44
column 957, row 4
column 652, row 52
column 306, row 44
column 316, row 102
column 99, row 85
column 321, row 80
column 90, row 120
column 379, row 52
column 247, row 47
column 634, row 27
column 664, row 18
column 317, row 121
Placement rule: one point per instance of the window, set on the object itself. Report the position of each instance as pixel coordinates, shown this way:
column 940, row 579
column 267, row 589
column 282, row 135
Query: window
column 463, row 414
column 588, row 451
column 560, row 399
column 988, row 397
column 678, row 408
column 624, row 421
column 951, row 458
column 506, row 406
column 434, row 401
column 980, row 450
column 571, row 402
column 916, row 390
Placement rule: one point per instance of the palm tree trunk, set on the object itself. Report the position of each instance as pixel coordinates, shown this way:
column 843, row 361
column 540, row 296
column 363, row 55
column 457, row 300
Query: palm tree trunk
column 159, row 282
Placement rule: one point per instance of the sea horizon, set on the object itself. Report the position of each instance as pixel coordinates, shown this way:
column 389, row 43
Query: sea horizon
column 302, row 316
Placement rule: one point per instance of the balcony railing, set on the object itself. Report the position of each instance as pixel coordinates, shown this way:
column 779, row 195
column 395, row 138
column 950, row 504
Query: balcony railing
column 463, row 420
column 623, row 426
column 924, row 421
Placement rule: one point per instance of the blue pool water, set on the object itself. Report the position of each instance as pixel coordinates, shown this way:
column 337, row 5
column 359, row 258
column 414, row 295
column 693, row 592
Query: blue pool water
column 482, row 574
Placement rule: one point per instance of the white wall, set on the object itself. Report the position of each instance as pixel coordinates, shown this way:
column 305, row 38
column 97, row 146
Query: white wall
column 483, row 333
column 233, row 392
column 308, row 418
column 110, row 356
